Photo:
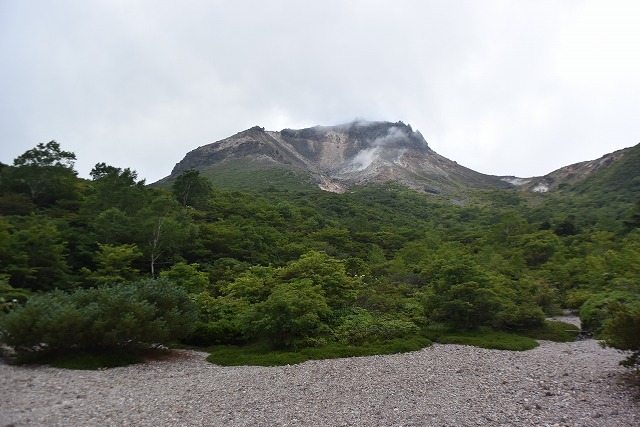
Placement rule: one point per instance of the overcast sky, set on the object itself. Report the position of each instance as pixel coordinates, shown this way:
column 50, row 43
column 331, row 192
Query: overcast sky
column 503, row 87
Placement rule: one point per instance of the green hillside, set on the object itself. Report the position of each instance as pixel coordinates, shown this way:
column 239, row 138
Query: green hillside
column 254, row 175
column 603, row 199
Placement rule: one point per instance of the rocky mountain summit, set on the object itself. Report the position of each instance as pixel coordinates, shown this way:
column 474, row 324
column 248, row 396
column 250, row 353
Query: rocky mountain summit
column 336, row 158
column 340, row 157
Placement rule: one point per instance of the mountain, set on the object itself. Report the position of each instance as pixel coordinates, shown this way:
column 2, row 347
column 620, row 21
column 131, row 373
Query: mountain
column 336, row 158
column 625, row 162
column 601, row 191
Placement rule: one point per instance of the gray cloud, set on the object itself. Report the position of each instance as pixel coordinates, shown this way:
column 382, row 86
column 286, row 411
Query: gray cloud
column 515, row 88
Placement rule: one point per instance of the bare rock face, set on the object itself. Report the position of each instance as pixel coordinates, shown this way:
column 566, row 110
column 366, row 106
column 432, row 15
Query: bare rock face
column 340, row 157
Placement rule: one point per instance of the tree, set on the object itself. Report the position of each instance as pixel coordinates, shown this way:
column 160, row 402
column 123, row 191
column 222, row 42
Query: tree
column 15, row 203
column 460, row 293
column 596, row 310
column 113, row 226
column 567, row 227
column 221, row 320
column 621, row 331
column 294, row 311
column 114, row 264
column 633, row 220
column 187, row 276
column 167, row 229
column 253, row 286
column 190, row 188
column 116, row 188
column 46, row 155
column 5, row 241
column 10, row 296
column 538, row 247
column 37, row 259
column 45, row 173
column 103, row 171
column 463, row 305
column 330, row 274
column 508, row 228
column 360, row 326
column 240, row 238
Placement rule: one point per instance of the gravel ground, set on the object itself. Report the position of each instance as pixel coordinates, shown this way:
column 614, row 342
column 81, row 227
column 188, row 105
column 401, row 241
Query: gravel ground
column 556, row 384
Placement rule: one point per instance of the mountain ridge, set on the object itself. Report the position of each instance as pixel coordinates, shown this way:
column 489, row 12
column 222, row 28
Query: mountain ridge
column 343, row 156
column 337, row 158
column 565, row 175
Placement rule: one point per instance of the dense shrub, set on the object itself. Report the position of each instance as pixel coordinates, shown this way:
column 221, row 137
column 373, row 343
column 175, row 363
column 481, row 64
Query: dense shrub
column 220, row 320
column 361, row 326
column 10, row 296
column 294, row 311
column 518, row 316
column 621, row 331
column 463, row 305
column 595, row 310
column 125, row 317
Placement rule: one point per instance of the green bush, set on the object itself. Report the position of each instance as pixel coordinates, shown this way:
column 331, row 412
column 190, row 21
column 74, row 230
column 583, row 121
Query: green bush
column 220, row 320
column 595, row 310
column 294, row 311
column 621, row 331
column 10, row 296
column 518, row 316
column 361, row 326
column 126, row 317
column 576, row 298
column 463, row 305
column 223, row 331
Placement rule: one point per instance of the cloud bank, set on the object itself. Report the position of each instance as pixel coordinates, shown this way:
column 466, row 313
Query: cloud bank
column 494, row 85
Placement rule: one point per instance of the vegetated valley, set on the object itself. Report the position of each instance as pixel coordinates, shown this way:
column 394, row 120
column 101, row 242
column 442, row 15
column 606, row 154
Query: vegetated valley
column 261, row 266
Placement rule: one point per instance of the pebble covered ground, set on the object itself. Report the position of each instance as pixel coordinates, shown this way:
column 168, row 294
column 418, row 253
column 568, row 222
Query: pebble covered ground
column 556, row 384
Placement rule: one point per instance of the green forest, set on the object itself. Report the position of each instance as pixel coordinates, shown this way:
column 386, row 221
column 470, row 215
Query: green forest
column 111, row 265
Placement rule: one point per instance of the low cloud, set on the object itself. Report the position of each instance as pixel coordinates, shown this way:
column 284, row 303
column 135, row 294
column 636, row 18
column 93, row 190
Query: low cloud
column 137, row 84
column 394, row 136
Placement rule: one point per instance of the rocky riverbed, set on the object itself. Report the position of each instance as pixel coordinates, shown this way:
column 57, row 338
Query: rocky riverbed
column 556, row 384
